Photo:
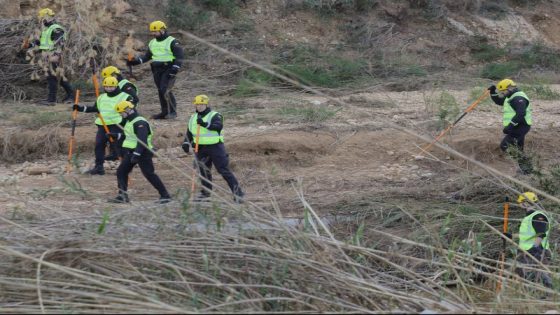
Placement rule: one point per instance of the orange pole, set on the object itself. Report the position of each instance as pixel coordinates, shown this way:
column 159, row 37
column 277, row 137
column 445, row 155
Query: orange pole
column 71, row 141
column 503, row 256
column 196, row 164
column 465, row 112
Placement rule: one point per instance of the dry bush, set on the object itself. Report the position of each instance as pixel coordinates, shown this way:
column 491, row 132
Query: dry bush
column 225, row 258
column 92, row 33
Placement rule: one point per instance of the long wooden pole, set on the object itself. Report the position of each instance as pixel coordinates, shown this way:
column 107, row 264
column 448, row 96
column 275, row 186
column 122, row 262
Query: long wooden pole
column 197, row 138
column 503, row 256
column 465, row 112
column 72, row 139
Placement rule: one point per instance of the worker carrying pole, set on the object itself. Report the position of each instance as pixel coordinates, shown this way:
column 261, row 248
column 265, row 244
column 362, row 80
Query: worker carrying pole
column 105, row 106
column 534, row 234
column 211, row 149
column 517, row 119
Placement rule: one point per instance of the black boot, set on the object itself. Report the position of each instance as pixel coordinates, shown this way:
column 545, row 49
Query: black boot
column 97, row 170
column 164, row 199
column 69, row 99
column 159, row 116
column 203, row 195
column 46, row 103
column 120, row 198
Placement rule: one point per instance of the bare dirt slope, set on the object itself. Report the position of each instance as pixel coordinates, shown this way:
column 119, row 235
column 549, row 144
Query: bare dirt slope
column 356, row 155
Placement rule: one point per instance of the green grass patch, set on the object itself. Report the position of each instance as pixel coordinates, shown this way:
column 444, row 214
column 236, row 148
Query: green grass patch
column 252, row 83
column 306, row 114
column 539, row 91
column 311, row 67
column 226, row 8
column 38, row 119
column 498, row 71
column 486, row 53
column 183, row 15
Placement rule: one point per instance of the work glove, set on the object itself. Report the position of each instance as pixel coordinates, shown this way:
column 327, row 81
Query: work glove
column 173, row 71
column 508, row 235
column 201, row 122
column 186, row 147
column 115, row 135
column 133, row 62
column 135, row 158
column 508, row 129
column 492, row 89
column 77, row 107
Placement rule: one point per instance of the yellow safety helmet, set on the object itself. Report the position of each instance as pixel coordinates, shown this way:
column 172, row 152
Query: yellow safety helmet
column 504, row 84
column 527, row 196
column 44, row 12
column 123, row 105
column 110, row 81
column 201, row 100
column 157, row 26
column 109, row 71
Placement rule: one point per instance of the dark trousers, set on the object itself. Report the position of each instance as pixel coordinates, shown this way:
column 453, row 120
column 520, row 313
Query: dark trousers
column 516, row 140
column 146, row 166
column 216, row 154
column 164, row 83
column 52, row 84
column 101, row 140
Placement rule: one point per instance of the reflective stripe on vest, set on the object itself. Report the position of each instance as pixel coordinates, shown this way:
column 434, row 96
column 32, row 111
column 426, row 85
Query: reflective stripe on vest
column 527, row 233
column 206, row 136
column 509, row 113
column 125, row 81
column 130, row 140
column 106, row 107
column 46, row 43
column 161, row 51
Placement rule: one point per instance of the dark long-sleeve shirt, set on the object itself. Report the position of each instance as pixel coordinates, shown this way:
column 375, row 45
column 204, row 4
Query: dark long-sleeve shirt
column 129, row 89
column 175, row 48
column 519, row 105
column 141, row 130
column 94, row 109
column 216, row 124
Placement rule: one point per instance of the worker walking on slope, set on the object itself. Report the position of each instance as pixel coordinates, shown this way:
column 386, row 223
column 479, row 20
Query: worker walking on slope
column 137, row 149
column 534, row 233
column 517, row 121
column 51, row 45
column 167, row 57
column 211, row 149
column 124, row 85
column 105, row 106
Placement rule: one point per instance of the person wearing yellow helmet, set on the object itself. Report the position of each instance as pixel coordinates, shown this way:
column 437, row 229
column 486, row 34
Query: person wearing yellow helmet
column 105, row 107
column 137, row 148
column 125, row 85
column 517, row 119
column 167, row 56
column 51, row 44
column 534, row 233
column 205, row 131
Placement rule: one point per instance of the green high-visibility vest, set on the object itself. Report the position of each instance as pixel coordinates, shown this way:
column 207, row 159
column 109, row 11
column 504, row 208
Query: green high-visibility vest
column 206, row 136
column 46, row 43
column 106, row 107
column 509, row 113
column 125, row 81
column 130, row 140
column 527, row 233
column 161, row 51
